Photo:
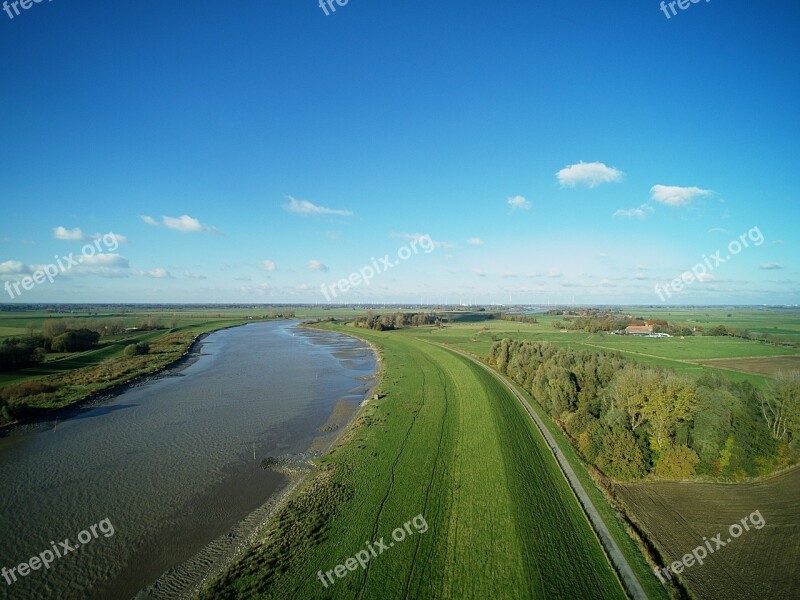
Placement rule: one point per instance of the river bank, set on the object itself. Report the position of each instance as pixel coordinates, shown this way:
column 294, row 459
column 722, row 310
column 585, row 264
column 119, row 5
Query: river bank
column 191, row 353
column 216, row 558
column 176, row 463
column 185, row 581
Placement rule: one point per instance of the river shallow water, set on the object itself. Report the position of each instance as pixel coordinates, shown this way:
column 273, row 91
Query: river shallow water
column 170, row 463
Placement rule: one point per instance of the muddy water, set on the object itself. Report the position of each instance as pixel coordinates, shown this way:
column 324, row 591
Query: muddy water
column 170, row 463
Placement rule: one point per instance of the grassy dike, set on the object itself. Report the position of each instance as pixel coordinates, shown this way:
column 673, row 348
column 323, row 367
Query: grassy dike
column 448, row 441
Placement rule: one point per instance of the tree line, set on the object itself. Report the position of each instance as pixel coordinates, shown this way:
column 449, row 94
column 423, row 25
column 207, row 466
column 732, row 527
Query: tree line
column 388, row 322
column 517, row 318
column 632, row 421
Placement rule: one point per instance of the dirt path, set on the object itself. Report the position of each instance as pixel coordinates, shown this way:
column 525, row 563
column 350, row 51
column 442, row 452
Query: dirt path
column 629, row 580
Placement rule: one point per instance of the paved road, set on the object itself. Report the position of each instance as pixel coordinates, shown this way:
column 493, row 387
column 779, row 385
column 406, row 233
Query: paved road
column 629, row 580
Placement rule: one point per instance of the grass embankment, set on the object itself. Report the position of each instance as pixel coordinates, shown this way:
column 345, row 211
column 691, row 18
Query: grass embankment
column 450, row 442
column 61, row 382
column 675, row 516
column 614, row 521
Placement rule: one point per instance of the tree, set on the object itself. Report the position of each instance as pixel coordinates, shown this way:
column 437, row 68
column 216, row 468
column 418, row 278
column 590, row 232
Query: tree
column 712, row 423
column 677, row 462
column 629, row 394
column 19, row 353
column 75, row 341
column 621, row 457
column 559, row 389
column 590, row 442
column 670, row 399
column 52, row 328
column 780, row 405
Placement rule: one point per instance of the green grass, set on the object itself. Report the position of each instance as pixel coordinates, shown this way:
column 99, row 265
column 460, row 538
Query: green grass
column 673, row 353
column 450, row 442
column 612, row 519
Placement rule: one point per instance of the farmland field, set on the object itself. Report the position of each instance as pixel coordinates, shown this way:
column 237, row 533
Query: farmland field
column 762, row 563
column 760, row 365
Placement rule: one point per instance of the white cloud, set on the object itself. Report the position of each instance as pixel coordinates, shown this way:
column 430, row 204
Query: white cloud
column 634, row 213
column 109, row 265
column 184, row 224
column 418, row 236
column 104, row 260
column 475, row 242
column 706, row 277
column 316, row 265
column 518, row 202
column 72, row 235
column 121, row 239
column 554, row 273
column 672, row 195
column 304, row 207
column 158, row 273
column 770, row 266
column 269, row 265
column 192, row 275
column 260, row 289
column 77, row 235
column 588, row 174
column 717, row 230
column 12, row 267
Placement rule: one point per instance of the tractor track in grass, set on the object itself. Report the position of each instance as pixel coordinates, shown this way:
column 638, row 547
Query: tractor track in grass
column 614, row 554
column 430, row 486
column 391, row 484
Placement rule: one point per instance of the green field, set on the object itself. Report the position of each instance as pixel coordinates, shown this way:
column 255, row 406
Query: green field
column 448, row 441
column 675, row 353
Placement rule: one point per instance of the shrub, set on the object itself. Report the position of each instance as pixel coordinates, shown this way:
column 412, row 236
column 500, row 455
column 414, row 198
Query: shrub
column 75, row 341
column 139, row 349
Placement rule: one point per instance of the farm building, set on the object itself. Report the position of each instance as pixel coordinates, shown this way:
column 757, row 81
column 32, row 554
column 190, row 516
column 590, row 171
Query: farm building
column 639, row 330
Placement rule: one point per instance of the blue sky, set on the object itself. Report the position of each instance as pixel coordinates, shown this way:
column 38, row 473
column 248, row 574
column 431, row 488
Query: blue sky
column 254, row 151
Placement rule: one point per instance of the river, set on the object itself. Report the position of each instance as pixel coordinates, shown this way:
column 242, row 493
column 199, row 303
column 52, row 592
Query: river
column 170, row 464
